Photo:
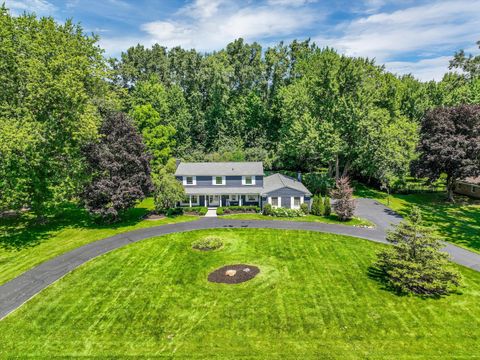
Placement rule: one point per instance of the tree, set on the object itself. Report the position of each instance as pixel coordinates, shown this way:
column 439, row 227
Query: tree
column 119, row 169
column 168, row 190
column 158, row 138
column 450, row 144
column 327, row 206
column 470, row 65
column 52, row 78
column 415, row 264
column 317, row 206
column 344, row 205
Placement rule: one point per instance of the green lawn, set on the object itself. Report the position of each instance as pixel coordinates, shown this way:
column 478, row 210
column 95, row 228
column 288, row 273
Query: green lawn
column 458, row 223
column 314, row 298
column 24, row 244
column 308, row 218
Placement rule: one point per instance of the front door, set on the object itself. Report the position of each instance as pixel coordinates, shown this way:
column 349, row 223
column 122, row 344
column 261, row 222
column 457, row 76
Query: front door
column 213, row 200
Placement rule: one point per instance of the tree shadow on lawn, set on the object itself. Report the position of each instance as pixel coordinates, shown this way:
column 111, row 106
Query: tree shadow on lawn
column 458, row 223
column 374, row 273
column 24, row 231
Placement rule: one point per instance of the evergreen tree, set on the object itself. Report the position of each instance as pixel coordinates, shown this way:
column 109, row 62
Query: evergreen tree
column 327, row 206
column 344, row 205
column 317, row 206
column 415, row 263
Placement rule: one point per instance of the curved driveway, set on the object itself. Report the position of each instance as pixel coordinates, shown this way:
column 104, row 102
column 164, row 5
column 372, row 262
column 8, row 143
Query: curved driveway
column 17, row 291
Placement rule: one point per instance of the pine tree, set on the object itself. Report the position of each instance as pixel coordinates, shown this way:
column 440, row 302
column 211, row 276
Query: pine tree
column 415, row 263
column 344, row 205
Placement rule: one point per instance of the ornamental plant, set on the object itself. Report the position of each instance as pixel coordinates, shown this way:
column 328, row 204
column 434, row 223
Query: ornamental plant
column 344, row 205
column 415, row 264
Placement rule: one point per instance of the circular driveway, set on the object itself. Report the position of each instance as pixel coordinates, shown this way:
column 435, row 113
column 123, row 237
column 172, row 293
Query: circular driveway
column 17, row 291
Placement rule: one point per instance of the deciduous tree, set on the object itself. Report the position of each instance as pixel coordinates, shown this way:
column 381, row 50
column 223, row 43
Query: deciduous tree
column 450, row 144
column 119, row 169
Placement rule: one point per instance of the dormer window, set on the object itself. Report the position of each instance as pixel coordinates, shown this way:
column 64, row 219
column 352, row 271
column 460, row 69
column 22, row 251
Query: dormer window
column 248, row 180
column 189, row 180
column 218, row 180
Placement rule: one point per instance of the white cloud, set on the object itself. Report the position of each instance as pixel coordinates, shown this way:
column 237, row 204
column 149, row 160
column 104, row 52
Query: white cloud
column 211, row 25
column 293, row 3
column 427, row 30
column 425, row 69
column 40, row 7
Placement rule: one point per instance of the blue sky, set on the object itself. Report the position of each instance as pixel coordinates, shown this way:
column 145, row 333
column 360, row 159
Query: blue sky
column 417, row 37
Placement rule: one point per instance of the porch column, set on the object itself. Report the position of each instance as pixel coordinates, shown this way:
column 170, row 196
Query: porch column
column 240, row 197
column 206, row 200
column 220, row 200
column 190, row 200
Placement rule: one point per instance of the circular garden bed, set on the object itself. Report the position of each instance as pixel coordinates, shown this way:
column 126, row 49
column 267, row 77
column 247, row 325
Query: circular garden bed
column 233, row 274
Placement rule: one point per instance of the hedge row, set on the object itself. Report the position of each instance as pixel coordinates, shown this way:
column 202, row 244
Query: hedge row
column 237, row 209
column 195, row 210
column 283, row 212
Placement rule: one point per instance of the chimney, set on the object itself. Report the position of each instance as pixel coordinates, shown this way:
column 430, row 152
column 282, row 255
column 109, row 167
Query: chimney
column 177, row 162
column 299, row 176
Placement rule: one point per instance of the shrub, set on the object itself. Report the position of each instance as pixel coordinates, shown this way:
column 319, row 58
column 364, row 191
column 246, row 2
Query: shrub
column 208, row 243
column 194, row 210
column 174, row 211
column 344, row 205
column 317, row 206
column 284, row 212
column 415, row 264
column 237, row 209
column 197, row 210
column 327, row 207
column 304, row 208
column 267, row 209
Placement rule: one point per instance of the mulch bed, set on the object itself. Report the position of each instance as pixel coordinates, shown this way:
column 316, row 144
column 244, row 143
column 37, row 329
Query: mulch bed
column 242, row 273
column 154, row 217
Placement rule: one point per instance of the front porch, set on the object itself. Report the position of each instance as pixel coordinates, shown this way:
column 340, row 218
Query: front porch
column 219, row 200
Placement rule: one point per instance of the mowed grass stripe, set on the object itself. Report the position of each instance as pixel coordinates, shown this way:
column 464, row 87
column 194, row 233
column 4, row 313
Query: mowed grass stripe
column 313, row 298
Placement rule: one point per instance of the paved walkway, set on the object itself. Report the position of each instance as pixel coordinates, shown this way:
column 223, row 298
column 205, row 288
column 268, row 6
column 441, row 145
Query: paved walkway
column 17, row 291
column 211, row 212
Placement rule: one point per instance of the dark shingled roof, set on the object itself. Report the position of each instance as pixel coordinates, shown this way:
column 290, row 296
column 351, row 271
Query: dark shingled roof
column 219, row 168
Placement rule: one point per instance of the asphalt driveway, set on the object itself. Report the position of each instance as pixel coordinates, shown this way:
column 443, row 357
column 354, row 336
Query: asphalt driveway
column 17, row 291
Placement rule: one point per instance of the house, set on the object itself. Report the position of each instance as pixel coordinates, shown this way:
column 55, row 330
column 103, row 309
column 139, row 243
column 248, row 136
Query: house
column 469, row 186
column 216, row 184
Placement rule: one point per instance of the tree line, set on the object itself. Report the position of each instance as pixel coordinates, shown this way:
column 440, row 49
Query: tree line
column 294, row 106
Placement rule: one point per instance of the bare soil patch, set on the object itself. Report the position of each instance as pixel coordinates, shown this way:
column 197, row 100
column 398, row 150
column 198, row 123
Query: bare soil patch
column 233, row 274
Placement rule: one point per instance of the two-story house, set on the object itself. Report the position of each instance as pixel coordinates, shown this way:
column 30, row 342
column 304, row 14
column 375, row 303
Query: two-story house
column 214, row 184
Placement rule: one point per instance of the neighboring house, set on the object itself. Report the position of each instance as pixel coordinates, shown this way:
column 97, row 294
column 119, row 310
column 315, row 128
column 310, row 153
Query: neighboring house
column 469, row 186
column 216, row 184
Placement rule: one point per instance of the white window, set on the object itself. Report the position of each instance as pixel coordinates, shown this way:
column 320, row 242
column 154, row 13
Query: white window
column 248, row 180
column 189, row 180
column 252, row 197
column 274, row 200
column 233, row 197
column 218, row 180
column 296, row 202
column 195, row 199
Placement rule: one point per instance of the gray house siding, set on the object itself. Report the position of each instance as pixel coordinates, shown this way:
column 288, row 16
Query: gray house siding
column 286, row 196
column 232, row 181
